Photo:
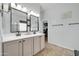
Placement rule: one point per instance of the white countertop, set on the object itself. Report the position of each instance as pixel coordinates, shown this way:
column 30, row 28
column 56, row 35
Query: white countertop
column 10, row 38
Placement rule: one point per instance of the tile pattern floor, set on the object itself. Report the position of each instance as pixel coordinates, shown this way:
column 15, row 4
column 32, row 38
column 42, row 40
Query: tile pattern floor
column 53, row 50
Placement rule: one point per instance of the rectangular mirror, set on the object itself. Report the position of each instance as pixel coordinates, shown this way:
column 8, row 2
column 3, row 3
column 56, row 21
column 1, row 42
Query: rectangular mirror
column 18, row 21
column 34, row 23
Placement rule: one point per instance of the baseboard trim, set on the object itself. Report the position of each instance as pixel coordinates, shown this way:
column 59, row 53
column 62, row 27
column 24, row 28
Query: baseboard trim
column 62, row 46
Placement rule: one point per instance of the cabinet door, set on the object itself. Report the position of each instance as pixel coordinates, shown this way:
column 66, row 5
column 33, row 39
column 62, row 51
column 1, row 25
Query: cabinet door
column 42, row 42
column 28, row 47
column 10, row 48
column 37, row 45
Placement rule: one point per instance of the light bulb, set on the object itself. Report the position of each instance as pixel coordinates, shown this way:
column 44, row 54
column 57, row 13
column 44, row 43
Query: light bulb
column 24, row 9
column 37, row 15
column 13, row 5
column 32, row 13
column 19, row 7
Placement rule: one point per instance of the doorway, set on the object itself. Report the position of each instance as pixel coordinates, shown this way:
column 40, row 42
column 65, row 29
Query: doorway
column 45, row 30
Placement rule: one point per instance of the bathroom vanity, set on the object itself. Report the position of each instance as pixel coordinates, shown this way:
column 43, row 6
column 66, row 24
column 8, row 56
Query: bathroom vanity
column 20, row 22
column 24, row 45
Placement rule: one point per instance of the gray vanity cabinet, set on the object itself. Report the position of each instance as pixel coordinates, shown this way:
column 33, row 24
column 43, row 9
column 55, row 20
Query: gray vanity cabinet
column 37, row 46
column 12, row 48
column 42, row 38
column 24, row 47
column 28, row 47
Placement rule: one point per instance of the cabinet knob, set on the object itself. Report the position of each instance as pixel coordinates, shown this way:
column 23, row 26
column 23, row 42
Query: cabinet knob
column 23, row 40
column 19, row 41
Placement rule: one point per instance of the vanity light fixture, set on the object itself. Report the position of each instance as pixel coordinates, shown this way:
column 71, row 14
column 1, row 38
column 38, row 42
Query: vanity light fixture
column 24, row 9
column 19, row 7
column 37, row 15
column 33, row 13
column 29, row 12
column 13, row 5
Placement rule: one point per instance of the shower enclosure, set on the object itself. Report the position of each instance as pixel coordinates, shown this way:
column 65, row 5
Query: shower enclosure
column 0, row 34
column 3, row 8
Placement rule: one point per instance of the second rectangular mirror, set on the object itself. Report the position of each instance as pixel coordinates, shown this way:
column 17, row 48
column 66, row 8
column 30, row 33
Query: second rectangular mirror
column 34, row 23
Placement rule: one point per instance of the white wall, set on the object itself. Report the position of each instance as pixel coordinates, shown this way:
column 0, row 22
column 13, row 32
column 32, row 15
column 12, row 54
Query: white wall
column 65, row 36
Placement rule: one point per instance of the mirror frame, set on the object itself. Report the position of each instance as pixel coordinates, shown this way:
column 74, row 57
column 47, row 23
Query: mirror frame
column 37, row 22
column 11, row 20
